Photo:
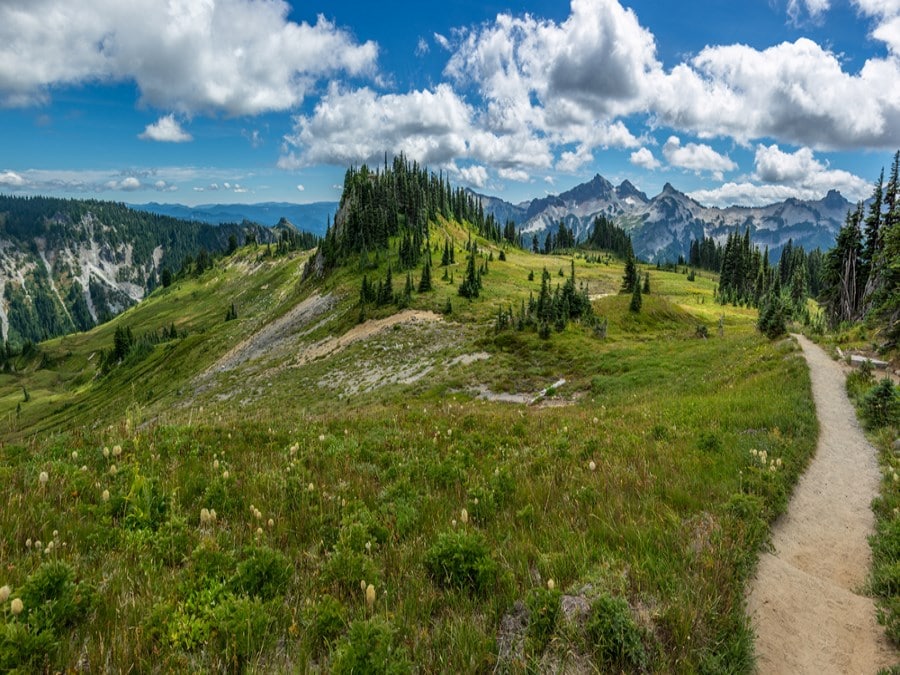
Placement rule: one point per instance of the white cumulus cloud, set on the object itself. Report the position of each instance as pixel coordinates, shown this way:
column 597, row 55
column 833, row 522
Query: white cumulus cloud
column 517, row 175
column 644, row 158
column 166, row 130
column 11, row 179
column 233, row 56
column 696, row 157
column 781, row 175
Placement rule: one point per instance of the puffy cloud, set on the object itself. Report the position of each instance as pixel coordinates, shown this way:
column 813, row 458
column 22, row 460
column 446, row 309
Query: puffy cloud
column 232, row 56
column 644, row 158
column 476, row 176
column 517, row 175
column 11, row 179
column 781, row 175
column 164, row 186
column 558, row 84
column 127, row 184
column 815, row 8
column 795, row 91
column 301, row 188
column 348, row 127
column 696, row 157
column 166, row 130
column 570, row 162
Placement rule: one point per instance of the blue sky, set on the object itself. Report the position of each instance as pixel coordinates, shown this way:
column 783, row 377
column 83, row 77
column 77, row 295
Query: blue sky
column 200, row 101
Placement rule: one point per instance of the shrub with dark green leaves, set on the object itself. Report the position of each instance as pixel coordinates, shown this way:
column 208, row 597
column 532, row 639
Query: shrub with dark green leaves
column 242, row 629
column 370, row 647
column 53, row 602
column 461, row 559
column 52, row 598
column 543, row 612
column 264, row 573
column 881, row 405
column 345, row 568
column 616, row 638
column 325, row 622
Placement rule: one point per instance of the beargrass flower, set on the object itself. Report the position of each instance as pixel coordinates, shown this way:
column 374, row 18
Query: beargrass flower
column 321, row 438
column 16, row 606
column 271, row 523
column 226, row 475
column 592, row 465
column 105, row 495
column 362, row 585
column 4, row 593
column 117, row 450
column 74, row 455
column 464, row 516
column 106, row 452
column 43, row 478
column 204, row 516
column 370, row 596
column 551, row 584
column 113, row 470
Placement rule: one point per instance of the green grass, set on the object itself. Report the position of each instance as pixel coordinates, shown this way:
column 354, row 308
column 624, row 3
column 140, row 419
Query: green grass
column 369, row 482
column 885, row 577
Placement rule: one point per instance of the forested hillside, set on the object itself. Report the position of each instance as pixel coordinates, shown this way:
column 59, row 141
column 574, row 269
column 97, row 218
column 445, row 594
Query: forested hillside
column 66, row 265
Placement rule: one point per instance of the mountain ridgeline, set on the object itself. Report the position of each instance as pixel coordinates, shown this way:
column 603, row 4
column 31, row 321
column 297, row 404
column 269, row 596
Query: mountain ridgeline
column 663, row 227
column 66, row 265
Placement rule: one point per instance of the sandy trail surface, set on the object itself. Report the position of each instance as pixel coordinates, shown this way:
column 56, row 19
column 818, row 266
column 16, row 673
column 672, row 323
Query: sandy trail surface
column 806, row 603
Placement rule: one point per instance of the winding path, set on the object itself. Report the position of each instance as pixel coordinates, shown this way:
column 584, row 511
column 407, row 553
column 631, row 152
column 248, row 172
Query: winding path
column 805, row 603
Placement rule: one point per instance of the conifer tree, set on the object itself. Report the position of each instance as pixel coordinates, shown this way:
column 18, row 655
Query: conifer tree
column 646, row 288
column 425, row 280
column 635, row 305
column 630, row 279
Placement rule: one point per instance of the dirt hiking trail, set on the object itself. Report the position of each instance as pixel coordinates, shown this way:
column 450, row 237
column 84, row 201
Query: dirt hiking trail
column 805, row 604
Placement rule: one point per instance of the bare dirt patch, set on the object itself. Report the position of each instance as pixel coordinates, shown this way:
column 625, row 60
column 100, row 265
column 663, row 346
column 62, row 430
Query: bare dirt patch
column 364, row 331
column 270, row 335
column 806, row 603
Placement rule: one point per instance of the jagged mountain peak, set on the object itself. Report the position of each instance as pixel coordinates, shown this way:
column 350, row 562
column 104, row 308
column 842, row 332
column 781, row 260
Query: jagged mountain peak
column 627, row 189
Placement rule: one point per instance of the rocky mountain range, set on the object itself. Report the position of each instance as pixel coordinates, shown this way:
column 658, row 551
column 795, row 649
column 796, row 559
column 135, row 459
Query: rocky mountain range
column 662, row 227
column 66, row 265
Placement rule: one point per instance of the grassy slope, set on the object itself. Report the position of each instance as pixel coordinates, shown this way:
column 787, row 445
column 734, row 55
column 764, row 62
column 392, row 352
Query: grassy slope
column 669, row 520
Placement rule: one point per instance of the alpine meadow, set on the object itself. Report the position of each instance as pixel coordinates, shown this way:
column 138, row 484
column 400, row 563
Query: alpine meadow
column 426, row 421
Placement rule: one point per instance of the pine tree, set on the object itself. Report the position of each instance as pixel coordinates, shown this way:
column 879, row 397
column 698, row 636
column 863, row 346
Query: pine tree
column 425, row 281
column 840, row 283
column 471, row 284
column 635, row 305
column 630, row 279
column 872, row 233
column 646, row 288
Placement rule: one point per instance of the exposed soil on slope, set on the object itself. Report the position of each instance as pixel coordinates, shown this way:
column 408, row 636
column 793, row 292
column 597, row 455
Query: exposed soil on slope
column 806, row 604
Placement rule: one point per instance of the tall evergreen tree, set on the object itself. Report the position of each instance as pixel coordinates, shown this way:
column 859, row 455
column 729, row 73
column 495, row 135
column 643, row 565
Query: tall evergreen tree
column 841, row 292
column 635, row 305
column 630, row 279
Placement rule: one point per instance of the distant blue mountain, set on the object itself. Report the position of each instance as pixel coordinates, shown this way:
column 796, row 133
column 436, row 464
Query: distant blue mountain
column 310, row 217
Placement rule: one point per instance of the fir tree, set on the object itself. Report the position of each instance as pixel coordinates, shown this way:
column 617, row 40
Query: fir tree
column 425, row 281
column 635, row 305
column 630, row 279
column 646, row 288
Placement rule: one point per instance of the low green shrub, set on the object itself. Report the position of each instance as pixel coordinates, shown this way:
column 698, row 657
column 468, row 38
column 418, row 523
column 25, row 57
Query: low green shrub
column 616, row 638
column 543, row 613
column 462, row 560
column 370, row 647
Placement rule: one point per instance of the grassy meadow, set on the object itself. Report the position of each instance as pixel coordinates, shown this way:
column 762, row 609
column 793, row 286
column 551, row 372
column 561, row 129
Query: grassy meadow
column 249, row 498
